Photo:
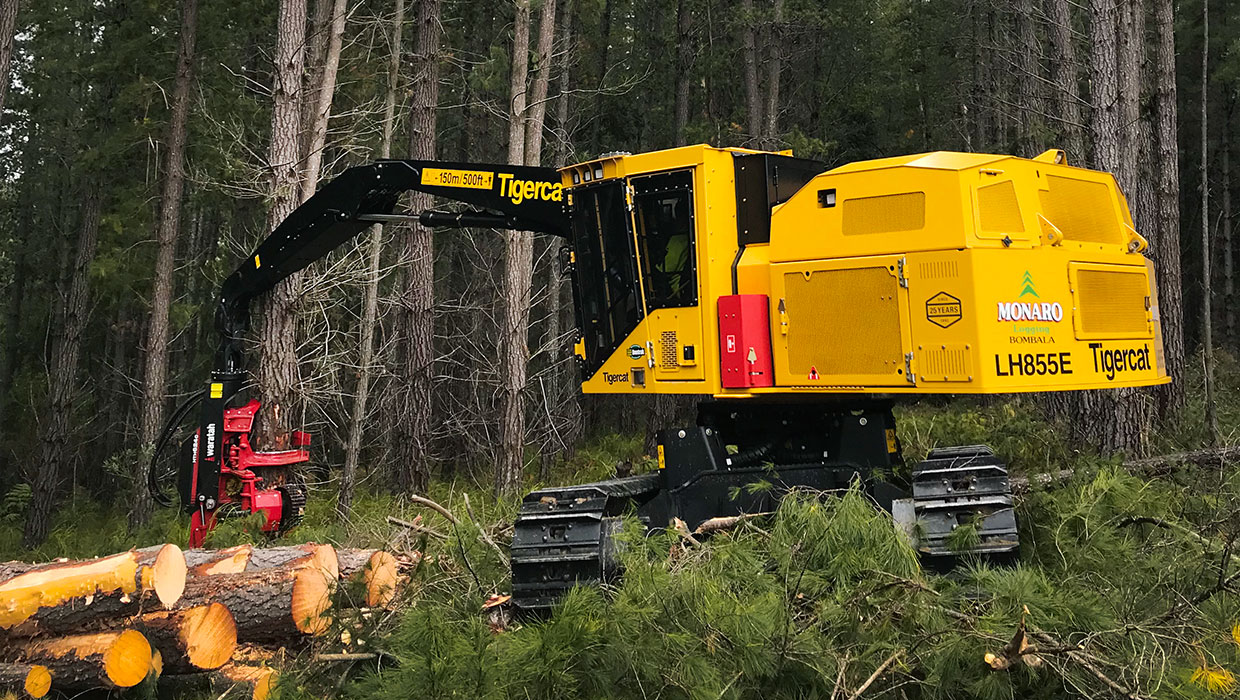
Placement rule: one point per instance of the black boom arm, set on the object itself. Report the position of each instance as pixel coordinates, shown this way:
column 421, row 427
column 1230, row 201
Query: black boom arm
column 505, row 196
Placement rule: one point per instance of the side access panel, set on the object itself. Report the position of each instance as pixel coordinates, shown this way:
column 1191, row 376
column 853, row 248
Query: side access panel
column 841, row 323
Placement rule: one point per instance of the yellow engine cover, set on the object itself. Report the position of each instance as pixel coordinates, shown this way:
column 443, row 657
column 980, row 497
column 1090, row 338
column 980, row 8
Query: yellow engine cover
column 932, row 273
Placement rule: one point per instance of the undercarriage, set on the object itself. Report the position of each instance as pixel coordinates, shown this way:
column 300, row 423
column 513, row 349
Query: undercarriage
column 742, row 457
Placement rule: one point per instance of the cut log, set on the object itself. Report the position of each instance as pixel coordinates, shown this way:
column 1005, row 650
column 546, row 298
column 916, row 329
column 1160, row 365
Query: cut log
column 236, row 681
column 201, row 638
column 275, row 605
column 73, row 595
column 321, row 555
column 31, row 680
column 373, row 571
column 208, row 562
column 1148, row 467
column 88, row 661
column 258, row 680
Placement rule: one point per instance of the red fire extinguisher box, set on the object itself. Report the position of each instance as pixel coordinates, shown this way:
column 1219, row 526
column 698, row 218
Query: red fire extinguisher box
column 745, row 341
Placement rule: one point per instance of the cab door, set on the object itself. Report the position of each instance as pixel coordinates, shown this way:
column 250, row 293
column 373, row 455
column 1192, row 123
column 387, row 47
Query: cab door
column 665, row 236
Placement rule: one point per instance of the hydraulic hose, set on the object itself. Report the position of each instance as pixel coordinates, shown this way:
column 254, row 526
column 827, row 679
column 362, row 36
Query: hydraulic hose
column 152, row 477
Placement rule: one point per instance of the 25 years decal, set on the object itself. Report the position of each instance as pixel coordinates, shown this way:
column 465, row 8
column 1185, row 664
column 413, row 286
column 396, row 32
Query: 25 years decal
column 943, row 310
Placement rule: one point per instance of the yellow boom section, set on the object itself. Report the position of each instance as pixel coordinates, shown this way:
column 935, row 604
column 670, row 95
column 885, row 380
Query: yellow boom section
column 932, row 273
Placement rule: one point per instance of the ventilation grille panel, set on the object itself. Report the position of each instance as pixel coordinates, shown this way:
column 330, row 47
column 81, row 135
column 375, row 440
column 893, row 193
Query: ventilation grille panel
column 938, row 270
column 885, row 214
column 998, row 209
column 948, row 363
column 1112, row 303
column 843, row 322
column 667, row 350
column 1082, row 210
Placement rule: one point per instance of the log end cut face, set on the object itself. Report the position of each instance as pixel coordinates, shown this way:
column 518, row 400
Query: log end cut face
column 127, row 660
column 167, row 575
column 381, row 578
column 209, row 636
column 312, row 599
column 38, row 681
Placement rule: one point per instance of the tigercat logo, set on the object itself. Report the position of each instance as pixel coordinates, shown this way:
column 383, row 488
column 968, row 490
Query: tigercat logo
column 615, row 378
column 520, row 190
column 1120, row 360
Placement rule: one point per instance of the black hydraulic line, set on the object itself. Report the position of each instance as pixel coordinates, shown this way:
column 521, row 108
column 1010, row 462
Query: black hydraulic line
column 750, row 457
column 152, row 478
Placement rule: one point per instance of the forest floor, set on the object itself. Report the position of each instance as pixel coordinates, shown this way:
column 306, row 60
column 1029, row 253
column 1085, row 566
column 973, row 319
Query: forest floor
column 1124, row 588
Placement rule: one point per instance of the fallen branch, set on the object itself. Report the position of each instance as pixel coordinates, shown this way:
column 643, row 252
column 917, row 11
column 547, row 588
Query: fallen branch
column 482, row 531
column 1160, row 465
column 874, row 676
column 422, row 500
column 726, row 522
column 416, row 527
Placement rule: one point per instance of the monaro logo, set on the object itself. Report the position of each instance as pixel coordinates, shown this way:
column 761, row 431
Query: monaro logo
column 1028, row 310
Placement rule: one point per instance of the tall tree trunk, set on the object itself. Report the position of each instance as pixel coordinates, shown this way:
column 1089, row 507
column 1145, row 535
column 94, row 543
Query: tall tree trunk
column 1104, row 79
column 414, row 452
column 1029, row 82
column 749, row 50
column 1229, row 281
column 324, row 92
column 538, row 89
column 8, row 27
column 168, row 228
column 562, row 400
column 1130, row 58
column 370, row 301
column 1165, row 248
column 774, row 65
column 1064, row 74
column 277, row 365
column 63, row 377
column 9, row 353
column 1207, row 289
column 518, row 269
column 684, row 66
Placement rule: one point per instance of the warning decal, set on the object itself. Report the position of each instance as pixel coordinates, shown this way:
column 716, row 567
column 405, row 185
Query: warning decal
column 471, row 179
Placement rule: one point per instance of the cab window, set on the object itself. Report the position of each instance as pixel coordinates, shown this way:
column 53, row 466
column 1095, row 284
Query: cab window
column 663, row 215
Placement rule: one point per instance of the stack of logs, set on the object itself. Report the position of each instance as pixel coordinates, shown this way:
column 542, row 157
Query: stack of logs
column 198, row 616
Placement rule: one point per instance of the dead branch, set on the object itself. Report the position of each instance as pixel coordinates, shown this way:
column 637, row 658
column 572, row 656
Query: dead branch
column 725, row 523
column 422, row 500
column 482, row 531
column 874, row 676
column 416, row 527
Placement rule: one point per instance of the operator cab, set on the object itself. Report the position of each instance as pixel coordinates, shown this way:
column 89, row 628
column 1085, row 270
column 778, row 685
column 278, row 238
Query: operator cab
column 653, row 235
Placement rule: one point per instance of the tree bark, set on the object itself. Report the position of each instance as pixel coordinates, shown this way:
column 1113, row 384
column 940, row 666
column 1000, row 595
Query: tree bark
column 277, row 365
column 273, row 605
column 1165, row 247
column 69, row 596
column 319, row 556
column 193, row 639
column 684, row 67
column 414, row 448
column 1207, row 260
column 370, row 294
column 518, row 270
column 770, row 130
column 1130, row 58
column 1229, row 281
column 749, row 51
column 1064, row 74
column 208, row 562
column 1104, row 79
column 63, row 377
column 34, row 680
column 167, row 230
column 324, row 92
column 373, row 572
column 1029, row 82
column 8, row 27
column 89, row 661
